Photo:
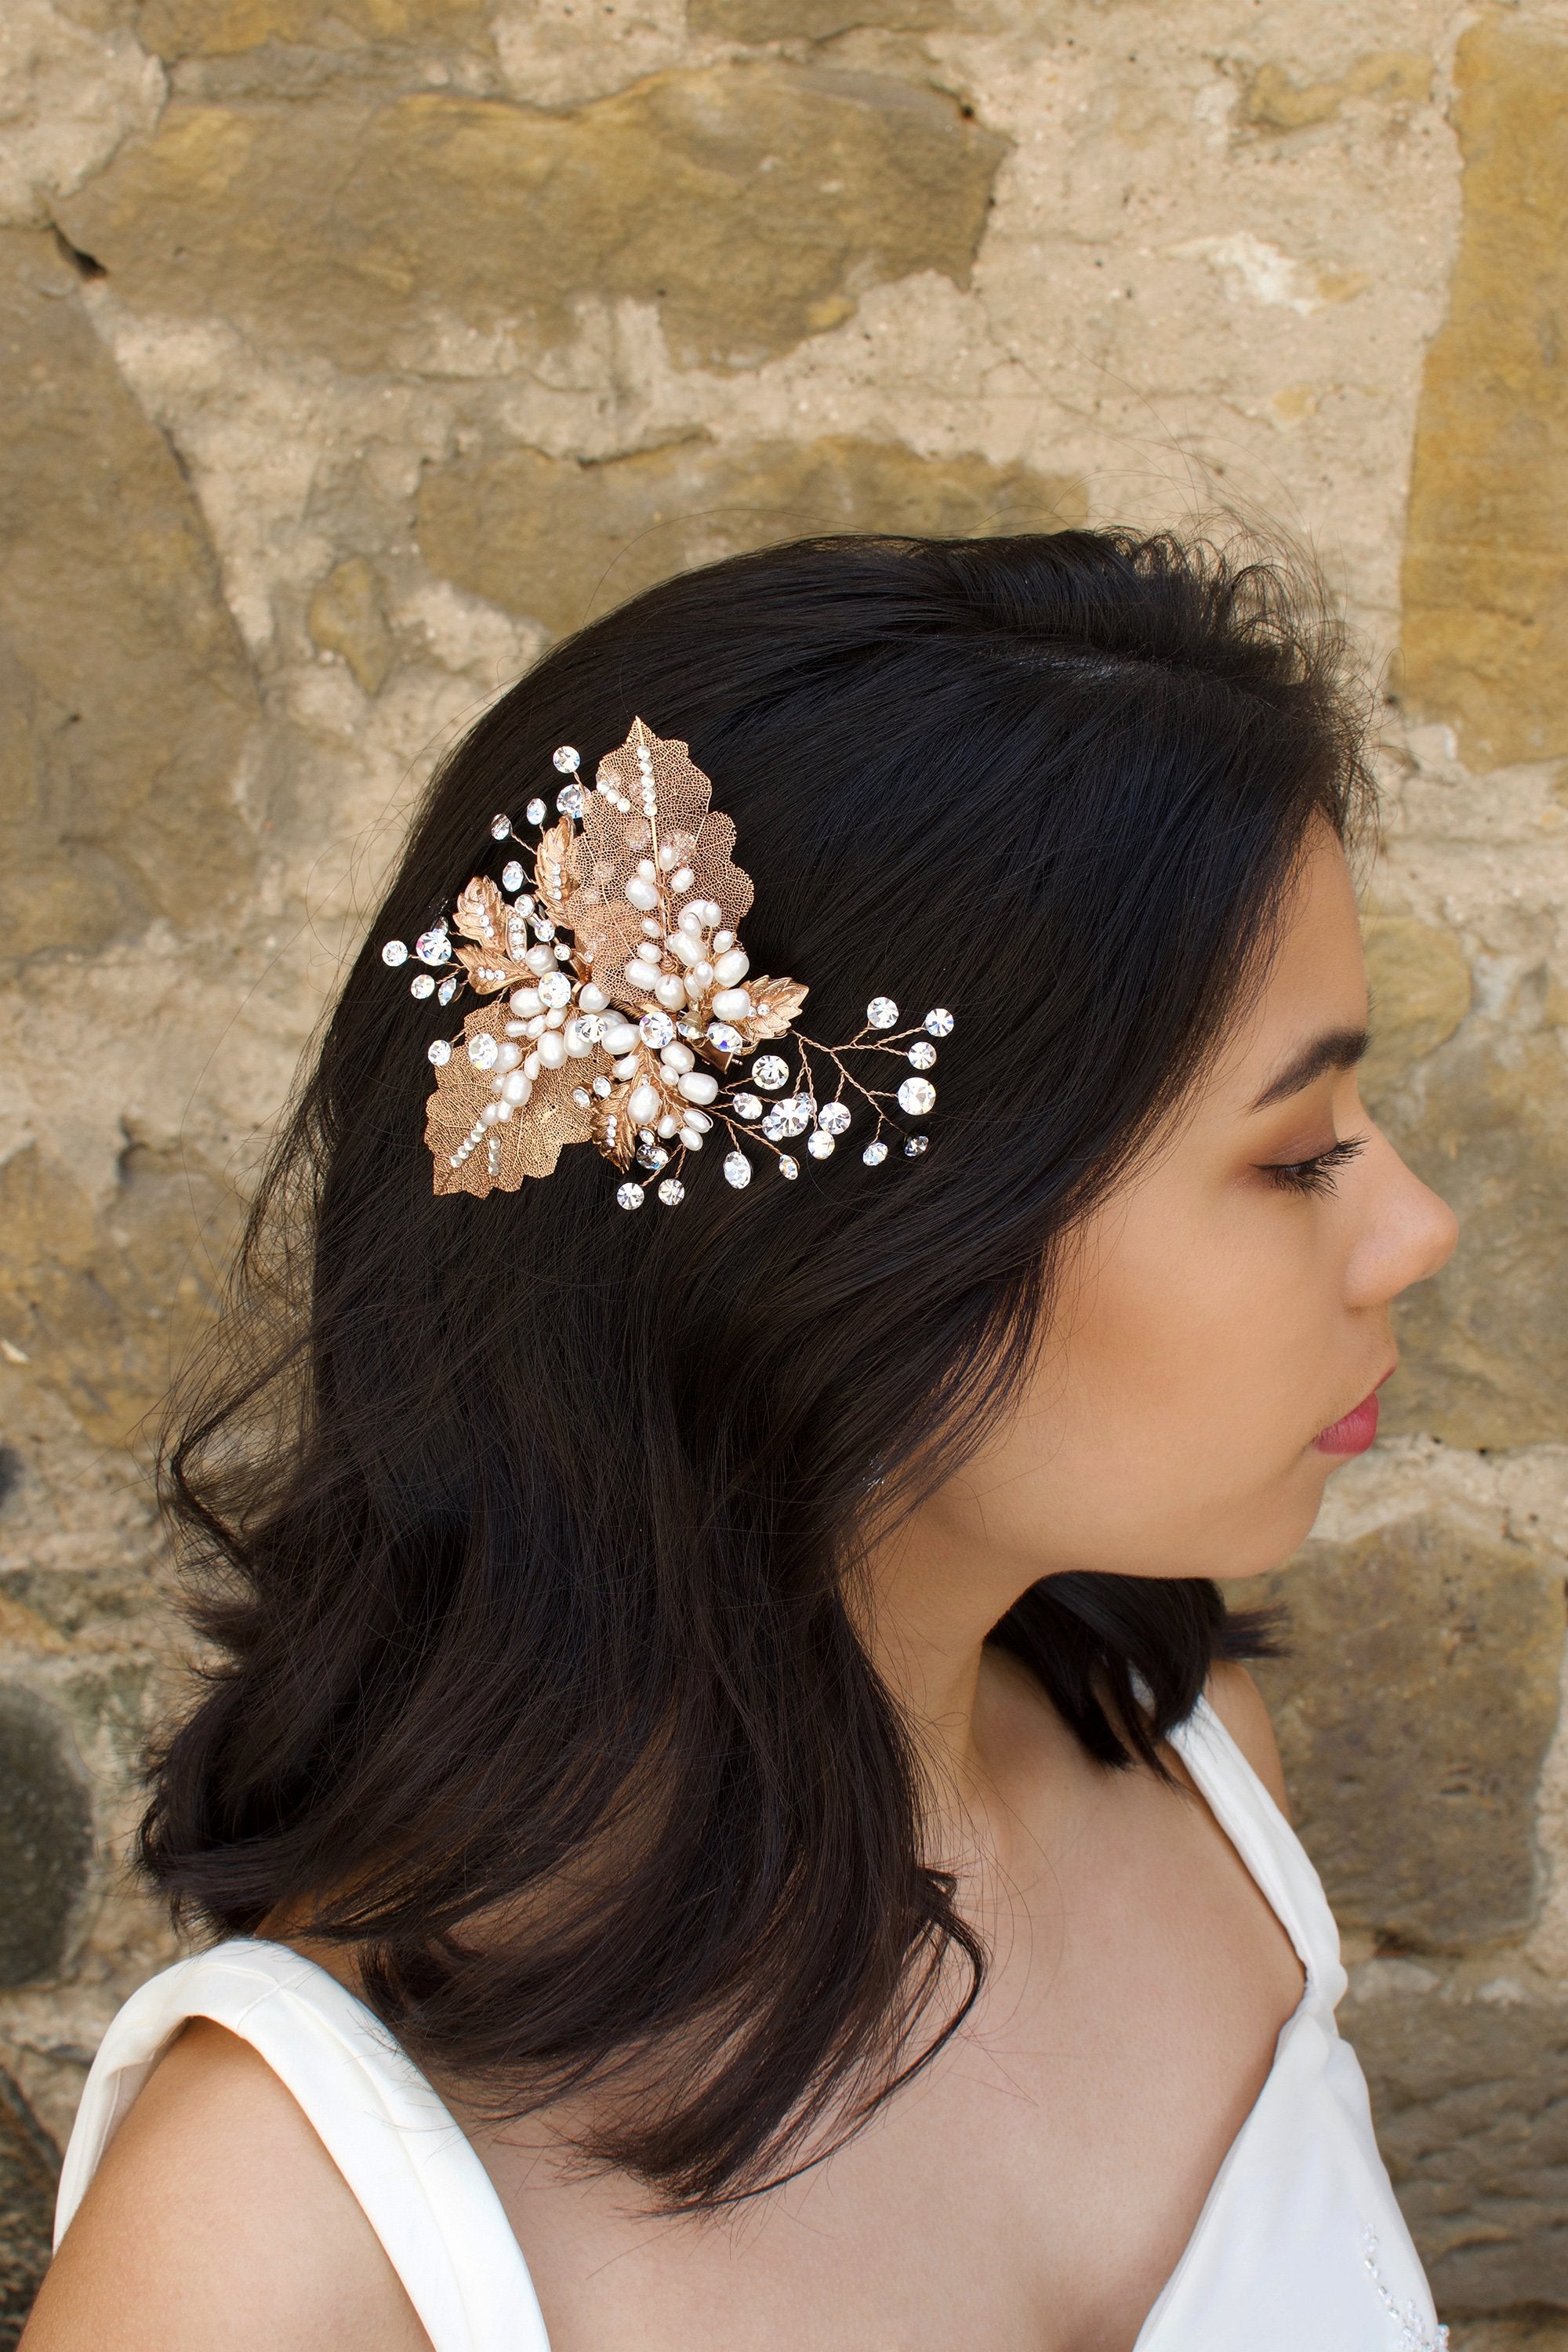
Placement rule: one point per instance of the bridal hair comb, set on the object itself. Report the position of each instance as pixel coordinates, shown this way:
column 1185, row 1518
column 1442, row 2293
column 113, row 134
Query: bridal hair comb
column 618, row 1007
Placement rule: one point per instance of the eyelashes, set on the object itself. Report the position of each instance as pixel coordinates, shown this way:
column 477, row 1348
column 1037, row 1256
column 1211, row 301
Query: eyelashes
column 1317, row 1174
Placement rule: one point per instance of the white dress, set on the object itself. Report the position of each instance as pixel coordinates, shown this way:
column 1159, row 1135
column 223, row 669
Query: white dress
column 1299, row 2247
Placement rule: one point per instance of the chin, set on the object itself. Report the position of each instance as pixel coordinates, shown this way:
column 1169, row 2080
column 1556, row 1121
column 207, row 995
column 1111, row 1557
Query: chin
column 1278, row 1529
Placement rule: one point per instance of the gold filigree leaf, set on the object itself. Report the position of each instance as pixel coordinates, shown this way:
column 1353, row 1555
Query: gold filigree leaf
column 527, row 1144
column 481, row 913
column 616, row 840
column 774, row 1004
column 489, row 971
column 613, row 1131
column 554, row 869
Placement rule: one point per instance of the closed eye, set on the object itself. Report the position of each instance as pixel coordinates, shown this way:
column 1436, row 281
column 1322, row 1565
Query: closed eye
column 1317, row 1174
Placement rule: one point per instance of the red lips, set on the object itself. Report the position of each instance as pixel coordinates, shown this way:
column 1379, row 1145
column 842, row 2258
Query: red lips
column 1353, row 1432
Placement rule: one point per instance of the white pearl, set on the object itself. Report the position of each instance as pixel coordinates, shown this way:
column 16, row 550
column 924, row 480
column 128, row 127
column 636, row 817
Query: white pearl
column 646, row 868
column 731, row 1004
column 698, row 1120
column 670, row 991
column 667, row 1127
column 504, row 1110
column 691, row 1138
column 530, row 1067
column 678, row 1057
column 698, row 1085
column 489, row 1114
column 592, row 998
column 703, row 974
column 691, row 921
column 555, row 1018
column 641, row 973
column 526, row 1001
column 506, row 1057
column 723, row 939
column 665, row 856
column 620, row 1036
column 682, row 880
column 517, row 1029
column 731, row 967
column 642, row 1104
column 534, row 1028
column 682, row 944
column 627, row 1067
column 515, row 1087
column 540, row 959
column 551, row 1050
column 642, row 894
column 577, row 1046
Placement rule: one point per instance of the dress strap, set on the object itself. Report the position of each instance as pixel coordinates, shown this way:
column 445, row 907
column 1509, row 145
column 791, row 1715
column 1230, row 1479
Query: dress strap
column 417, row 2178
column 1267, row 1845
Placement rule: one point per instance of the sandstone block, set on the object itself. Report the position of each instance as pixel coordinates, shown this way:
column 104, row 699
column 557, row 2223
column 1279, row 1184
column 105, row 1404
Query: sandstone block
column 125, row 696
column 46, row 1836
column 1414, row 1712
column 347, row 618
column 27, row 2170
column 1486, row 1344
column 750, row 202
column 222, row 28
column 105, row 1303
column 1420, row 987
column 1469, row 2085
column 1485, row 588
column 1275, row 101
column 559, row 542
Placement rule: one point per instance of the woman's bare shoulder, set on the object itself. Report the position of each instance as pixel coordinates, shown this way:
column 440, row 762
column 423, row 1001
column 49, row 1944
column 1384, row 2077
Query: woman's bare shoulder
column 217, row 2219
column 1242, row 1708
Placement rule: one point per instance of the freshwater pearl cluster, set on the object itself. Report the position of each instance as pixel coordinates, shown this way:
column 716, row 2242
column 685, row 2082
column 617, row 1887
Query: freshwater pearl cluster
column 617, row 1005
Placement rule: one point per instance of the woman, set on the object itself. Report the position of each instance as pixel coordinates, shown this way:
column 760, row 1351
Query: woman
column 739, row 1689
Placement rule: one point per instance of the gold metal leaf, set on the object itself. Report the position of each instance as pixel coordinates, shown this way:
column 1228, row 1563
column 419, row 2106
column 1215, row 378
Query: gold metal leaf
column 481, row 913
column 774, row 1004
column 531, row 1141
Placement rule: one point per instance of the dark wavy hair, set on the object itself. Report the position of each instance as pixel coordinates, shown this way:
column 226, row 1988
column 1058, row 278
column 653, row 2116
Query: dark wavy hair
column 522, row 1529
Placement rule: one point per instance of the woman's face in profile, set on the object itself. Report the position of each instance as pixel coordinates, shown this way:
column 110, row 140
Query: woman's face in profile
column 1224, row 1325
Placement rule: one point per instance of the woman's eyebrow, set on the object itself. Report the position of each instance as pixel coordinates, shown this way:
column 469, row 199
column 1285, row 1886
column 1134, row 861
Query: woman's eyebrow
column 1335, row 1049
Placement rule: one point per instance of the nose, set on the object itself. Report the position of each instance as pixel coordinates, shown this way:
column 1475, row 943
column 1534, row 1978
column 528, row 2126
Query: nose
column 1409, row 1233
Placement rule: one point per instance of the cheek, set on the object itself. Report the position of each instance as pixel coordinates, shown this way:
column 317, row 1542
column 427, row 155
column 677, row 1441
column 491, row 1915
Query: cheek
column 1195, row 1339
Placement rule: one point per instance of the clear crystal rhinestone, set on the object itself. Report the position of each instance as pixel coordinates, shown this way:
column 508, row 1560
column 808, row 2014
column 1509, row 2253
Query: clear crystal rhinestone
column 448, row 989
column 590, row 1026
column 652, row 1155
column 536, row 813
column 725, row 1038
column 737, row 1170
column 917, row 1094
column 797, row 1114
column 601, row 1087
column 582, row 1097
column 511, row 874
column 500, row 828
column 874, row 1154
column 566, row 758
column 770, row 1071
column 923, row 1054
column 690, row 1029
column 773, row 1125
column 483, row 1050
column 434, row 946
column 939, row 1022
column 882, row 1013
column 657, row 1029
column 543, row 929
column 788, row 1166
column 914, row 1147
column 554, row 988
column 629, row 1196
column 440, row 1052
column 819, row 1144
column 422, row 985
column 672, row 1191
column 747, row 1106
column 563, row 953
column 833, row 1118
column 395, row 952
column 569, row 800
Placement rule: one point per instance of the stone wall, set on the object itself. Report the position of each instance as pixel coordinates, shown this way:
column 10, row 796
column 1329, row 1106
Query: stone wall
column 353, row 349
